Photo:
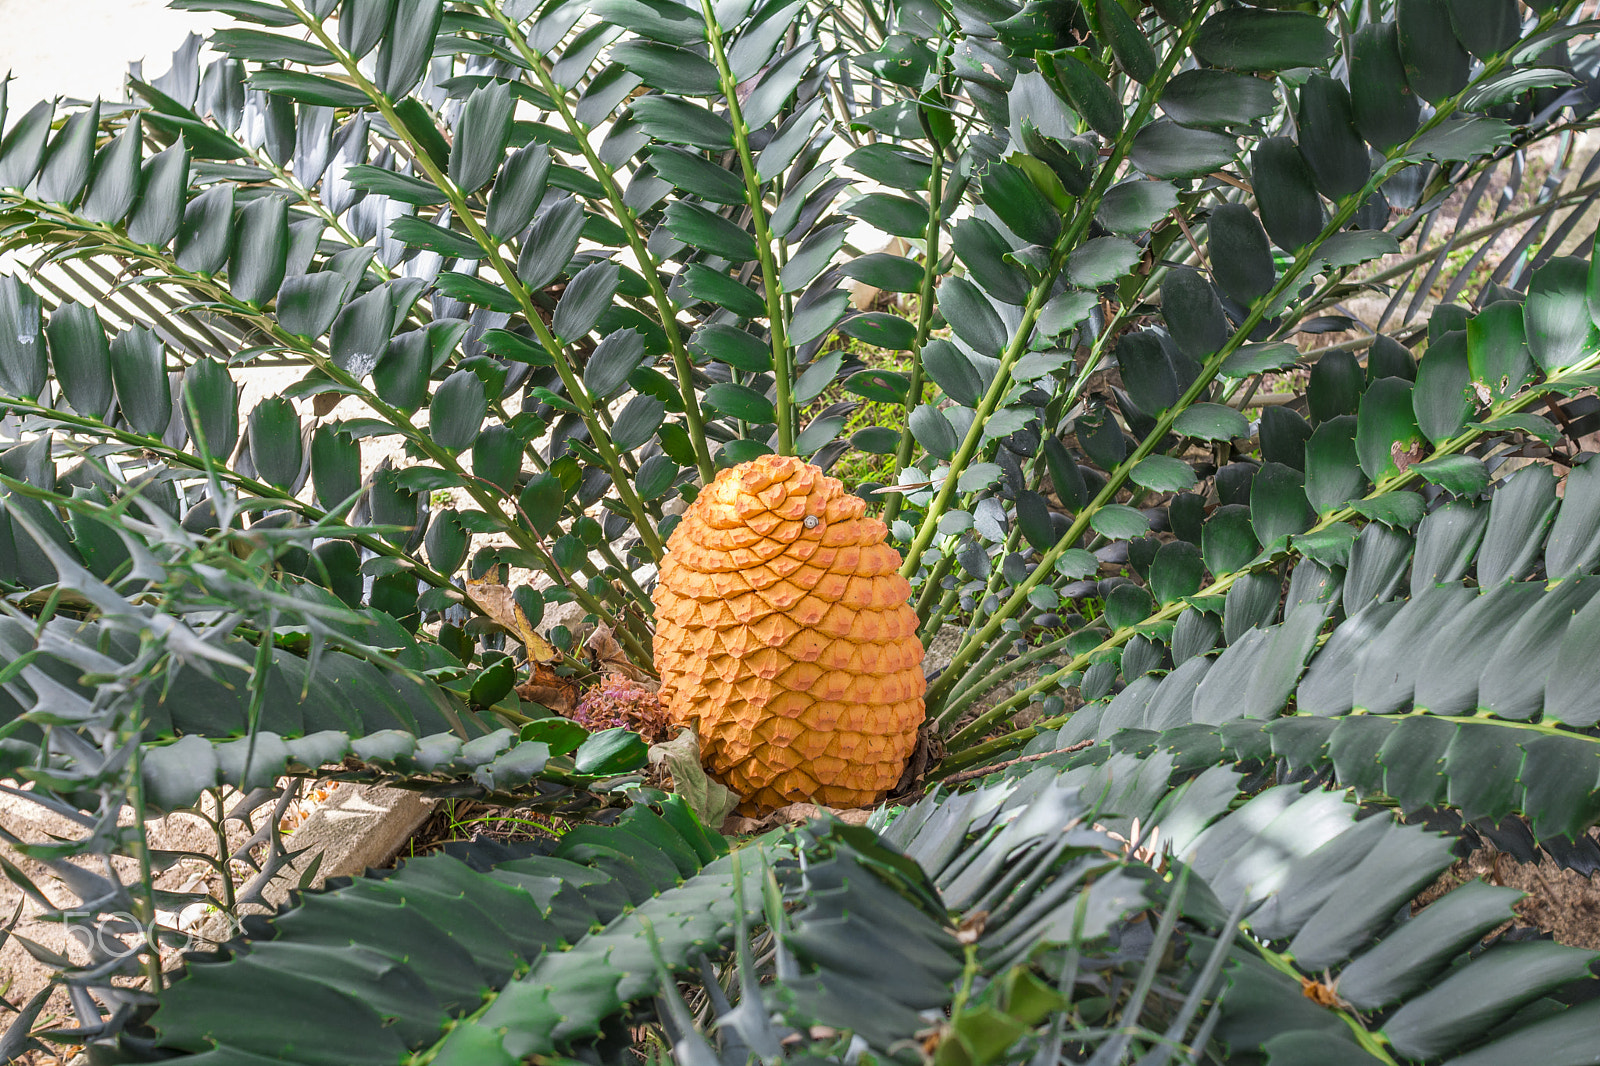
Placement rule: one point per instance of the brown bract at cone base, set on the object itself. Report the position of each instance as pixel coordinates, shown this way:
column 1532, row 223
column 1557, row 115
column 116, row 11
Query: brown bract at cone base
column 785, row 638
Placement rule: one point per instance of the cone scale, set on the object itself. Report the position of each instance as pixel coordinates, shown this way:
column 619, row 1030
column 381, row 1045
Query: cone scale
column 785, row 639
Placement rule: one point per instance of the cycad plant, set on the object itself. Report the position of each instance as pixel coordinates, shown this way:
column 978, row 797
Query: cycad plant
column 1229, row 369
column 1000, row 925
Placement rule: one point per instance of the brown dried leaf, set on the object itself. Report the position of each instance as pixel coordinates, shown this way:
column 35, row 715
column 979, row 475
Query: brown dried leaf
column 498, row 602
column 558, row 693
column 609, row 657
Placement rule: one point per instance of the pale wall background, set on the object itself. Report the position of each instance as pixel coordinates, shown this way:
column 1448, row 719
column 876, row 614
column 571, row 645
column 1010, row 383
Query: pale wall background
column 81, row 48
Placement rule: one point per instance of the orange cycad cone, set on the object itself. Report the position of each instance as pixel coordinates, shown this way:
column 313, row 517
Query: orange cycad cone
column 785, row 639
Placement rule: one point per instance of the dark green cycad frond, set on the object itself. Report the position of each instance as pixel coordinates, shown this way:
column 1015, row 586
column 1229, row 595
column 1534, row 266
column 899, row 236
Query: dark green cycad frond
column 1004, row 560
column 339, row 689
column 479, row 920
column 394, row 197
column 166, row 664
column 80, row 695
column 1440, row 663
column 1375, row 445
column 986, row 926
column 1323, row 896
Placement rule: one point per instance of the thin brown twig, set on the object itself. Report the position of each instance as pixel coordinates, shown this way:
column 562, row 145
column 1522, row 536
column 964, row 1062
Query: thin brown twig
column 1177, row 216
column 985, row 771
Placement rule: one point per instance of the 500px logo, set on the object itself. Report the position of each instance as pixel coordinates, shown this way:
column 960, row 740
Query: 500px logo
column 119, row 934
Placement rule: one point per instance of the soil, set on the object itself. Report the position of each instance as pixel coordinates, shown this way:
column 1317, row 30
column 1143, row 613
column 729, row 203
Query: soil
column 46, row 1058
column 21, row 975
column 1560, row 902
